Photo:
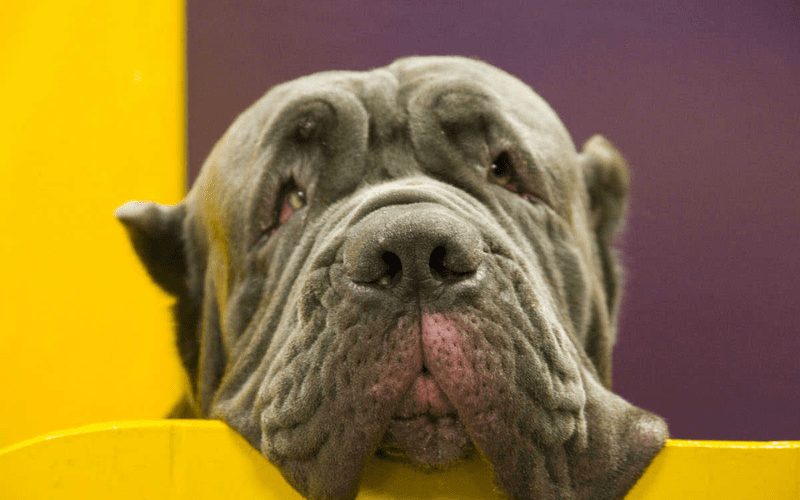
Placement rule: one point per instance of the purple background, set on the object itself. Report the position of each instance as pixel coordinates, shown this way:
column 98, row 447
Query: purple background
column 703, row 101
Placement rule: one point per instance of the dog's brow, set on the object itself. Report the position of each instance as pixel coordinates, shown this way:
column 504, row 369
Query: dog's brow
column 301, row 113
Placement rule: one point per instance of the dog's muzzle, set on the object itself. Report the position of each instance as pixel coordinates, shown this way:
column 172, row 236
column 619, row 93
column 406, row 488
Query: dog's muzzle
column 418, row 253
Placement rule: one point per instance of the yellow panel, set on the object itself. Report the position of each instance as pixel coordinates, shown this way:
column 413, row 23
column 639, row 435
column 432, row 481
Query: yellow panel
column 195, row 459
column 730, row 470
column 92, row 99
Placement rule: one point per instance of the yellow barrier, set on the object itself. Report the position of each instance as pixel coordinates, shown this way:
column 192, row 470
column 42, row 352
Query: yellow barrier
column 195, row 459
column 92, row 100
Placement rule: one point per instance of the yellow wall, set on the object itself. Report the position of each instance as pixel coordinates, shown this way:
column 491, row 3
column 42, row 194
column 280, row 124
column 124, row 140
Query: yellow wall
column 92, row 115
column 199, row 459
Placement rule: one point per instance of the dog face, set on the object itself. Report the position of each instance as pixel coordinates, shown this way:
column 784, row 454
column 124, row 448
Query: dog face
column 413, row 261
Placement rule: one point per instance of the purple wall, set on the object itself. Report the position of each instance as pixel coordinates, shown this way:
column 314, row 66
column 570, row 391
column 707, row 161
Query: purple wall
column 704, row 103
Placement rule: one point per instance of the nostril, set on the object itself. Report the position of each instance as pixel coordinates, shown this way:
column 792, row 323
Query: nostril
column 393, row 265
column 440, row 269
column 437, row 261
column 393, row 269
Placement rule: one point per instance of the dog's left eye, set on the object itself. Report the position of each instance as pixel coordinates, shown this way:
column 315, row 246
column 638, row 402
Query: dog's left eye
column 502, row 172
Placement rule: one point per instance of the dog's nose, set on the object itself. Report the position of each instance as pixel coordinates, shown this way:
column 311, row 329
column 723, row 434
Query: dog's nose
column 414, row 248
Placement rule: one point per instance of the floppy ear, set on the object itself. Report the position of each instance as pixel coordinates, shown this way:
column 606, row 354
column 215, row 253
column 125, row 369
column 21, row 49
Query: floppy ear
column 608, row 182
column 156, row 234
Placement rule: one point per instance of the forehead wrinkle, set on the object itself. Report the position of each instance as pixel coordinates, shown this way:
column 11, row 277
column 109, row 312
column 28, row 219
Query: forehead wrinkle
column 388, row 154
column 378, row 91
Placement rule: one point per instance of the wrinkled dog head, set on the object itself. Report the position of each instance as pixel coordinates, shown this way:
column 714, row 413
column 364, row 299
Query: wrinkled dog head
column 410, row 261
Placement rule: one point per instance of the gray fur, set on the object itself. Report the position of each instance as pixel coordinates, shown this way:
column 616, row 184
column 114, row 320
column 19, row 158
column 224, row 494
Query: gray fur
column 415, row 306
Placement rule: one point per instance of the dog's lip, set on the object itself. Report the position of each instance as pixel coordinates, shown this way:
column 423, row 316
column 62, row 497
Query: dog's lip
column 424, row 397
column 448, row 418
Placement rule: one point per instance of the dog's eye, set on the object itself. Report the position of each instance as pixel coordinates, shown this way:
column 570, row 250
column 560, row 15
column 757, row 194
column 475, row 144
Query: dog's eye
column 290, row 201
column 293, row 201
column 296, row 199
column 502, row 172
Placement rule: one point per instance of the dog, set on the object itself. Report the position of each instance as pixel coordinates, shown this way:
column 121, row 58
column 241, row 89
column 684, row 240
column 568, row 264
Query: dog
column 415, row 262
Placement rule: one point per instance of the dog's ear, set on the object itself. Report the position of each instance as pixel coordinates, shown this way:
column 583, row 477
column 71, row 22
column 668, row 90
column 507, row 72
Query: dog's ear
column 608, row 182
column 156, row 232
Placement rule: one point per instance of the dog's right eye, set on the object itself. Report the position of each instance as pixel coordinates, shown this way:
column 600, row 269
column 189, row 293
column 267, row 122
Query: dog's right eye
column 293, row 201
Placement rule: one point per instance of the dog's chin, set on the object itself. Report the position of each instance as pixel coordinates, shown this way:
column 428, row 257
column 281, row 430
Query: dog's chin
column 428, row 441
column 425, row 428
